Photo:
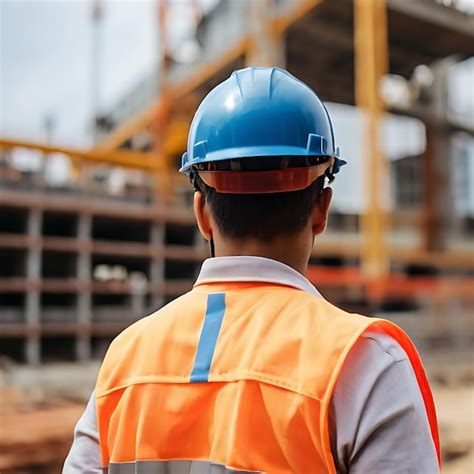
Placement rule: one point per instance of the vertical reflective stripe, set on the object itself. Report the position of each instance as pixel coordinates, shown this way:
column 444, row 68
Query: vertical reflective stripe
column 207, row 342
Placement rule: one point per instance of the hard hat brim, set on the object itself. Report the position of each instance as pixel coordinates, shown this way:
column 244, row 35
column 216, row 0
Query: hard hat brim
column 250, row 152
column 264, row 182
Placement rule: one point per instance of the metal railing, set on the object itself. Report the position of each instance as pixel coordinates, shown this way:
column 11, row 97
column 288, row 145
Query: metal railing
column 118, row 174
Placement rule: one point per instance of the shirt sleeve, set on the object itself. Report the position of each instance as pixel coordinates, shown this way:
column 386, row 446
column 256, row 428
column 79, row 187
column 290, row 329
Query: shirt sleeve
column 84, row 456
column 377, row 418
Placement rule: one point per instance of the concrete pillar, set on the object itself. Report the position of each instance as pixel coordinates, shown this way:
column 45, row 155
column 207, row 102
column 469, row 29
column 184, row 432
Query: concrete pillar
column 438, row 199
column 268, row 46
column 138, row 287
column 157, row 265
column 84, row 298
column 33, row 275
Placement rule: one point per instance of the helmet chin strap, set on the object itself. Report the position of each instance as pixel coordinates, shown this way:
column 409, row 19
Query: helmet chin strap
column 212, row 248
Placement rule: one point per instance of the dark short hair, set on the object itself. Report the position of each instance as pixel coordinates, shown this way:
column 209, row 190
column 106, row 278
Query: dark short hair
column 261, row 216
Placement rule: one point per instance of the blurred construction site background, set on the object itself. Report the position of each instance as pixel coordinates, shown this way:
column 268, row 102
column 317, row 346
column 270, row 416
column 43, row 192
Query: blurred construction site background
column 96, row 226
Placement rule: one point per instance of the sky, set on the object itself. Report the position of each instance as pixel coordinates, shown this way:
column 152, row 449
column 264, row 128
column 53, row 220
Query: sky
column 46, row 65
column 46, row 72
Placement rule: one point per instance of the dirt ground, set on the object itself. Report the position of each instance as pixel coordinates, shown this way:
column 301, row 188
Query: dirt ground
column 38, row 410
column 36, row 424
column 34, row 438
column 453, row 392
column 455, row 411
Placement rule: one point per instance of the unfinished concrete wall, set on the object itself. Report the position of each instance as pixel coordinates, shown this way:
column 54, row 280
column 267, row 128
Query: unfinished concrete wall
column 75, row 271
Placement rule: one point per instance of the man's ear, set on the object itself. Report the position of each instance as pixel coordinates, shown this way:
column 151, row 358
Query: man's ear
column 203, row 217
column 319, row 217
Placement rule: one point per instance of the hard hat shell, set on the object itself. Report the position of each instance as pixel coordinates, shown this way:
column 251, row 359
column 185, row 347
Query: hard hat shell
column 259, row 112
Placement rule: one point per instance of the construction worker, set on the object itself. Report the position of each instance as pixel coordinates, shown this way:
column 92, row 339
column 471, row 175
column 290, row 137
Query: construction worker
column 253, row 370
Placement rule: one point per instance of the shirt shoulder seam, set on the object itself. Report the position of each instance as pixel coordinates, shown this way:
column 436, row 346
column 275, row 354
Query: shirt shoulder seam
column 381, row 346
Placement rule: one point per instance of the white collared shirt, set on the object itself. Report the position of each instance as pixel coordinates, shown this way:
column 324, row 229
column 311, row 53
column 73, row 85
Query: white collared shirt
column 254, row 269
column 378, row 422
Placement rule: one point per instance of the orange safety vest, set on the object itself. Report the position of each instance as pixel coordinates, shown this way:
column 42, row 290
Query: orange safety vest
column 240, row 374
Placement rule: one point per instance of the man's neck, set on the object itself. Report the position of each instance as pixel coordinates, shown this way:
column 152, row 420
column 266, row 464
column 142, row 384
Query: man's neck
column 283, row 250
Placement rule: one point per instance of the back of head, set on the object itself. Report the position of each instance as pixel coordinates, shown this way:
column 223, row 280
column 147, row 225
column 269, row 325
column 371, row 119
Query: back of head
column 259, row 148
column 261, row 216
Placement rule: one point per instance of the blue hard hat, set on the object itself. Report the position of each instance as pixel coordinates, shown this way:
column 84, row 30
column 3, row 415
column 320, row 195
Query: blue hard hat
column 260, row 112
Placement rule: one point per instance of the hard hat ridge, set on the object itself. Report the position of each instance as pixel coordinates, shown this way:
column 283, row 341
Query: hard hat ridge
column 246, row 78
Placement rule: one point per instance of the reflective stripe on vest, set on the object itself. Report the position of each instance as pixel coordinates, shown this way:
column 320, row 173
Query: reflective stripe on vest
column 172, row 467
column 241, row 374
column 207, row 342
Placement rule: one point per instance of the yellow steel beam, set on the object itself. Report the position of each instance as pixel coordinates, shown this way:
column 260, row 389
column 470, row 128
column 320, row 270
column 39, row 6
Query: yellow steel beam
column 371, row 63
column 128, row 129
column 124, row 158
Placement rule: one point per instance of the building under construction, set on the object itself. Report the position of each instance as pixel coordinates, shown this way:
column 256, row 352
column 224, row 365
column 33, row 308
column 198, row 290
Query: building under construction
column 81, row 261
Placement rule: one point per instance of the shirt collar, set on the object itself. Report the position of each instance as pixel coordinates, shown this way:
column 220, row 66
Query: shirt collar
column 261, row 269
